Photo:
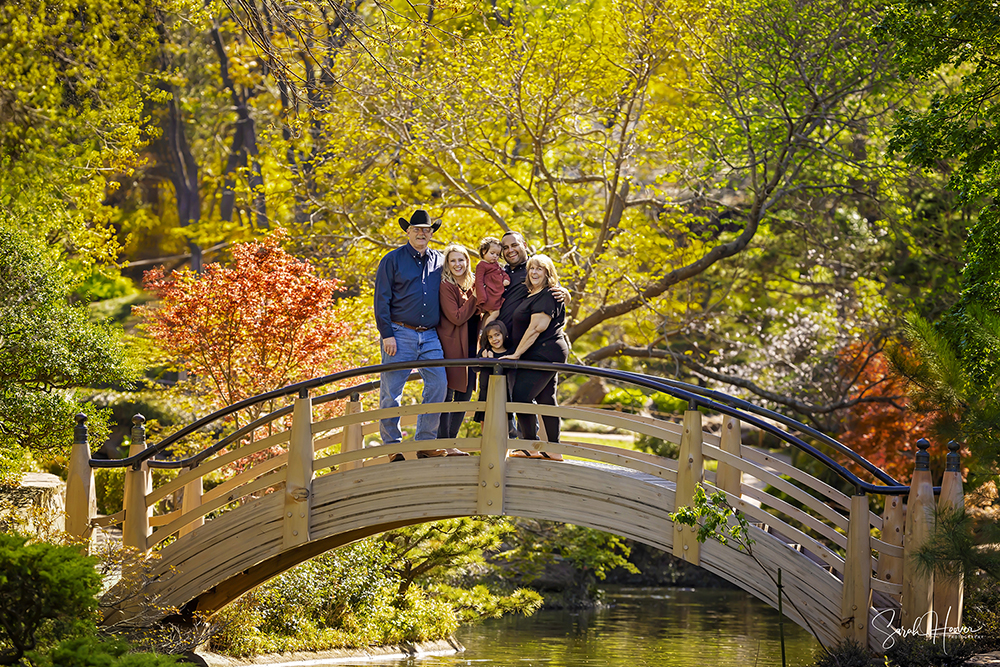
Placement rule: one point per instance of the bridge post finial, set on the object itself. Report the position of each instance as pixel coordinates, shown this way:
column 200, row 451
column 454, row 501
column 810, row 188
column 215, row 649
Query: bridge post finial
column 948, row 591
column 81, row 500
column 918, row 586
column 138, row 484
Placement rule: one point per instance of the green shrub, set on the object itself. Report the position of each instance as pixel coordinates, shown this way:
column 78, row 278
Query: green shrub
column 331, row 601
column 651, row 445
column 47, row 593
column 849, row 653
column 89, row 651
column 109, row 487
column 98, row 286
column 982, row 614
column 665, row 404
column 417, row 618
column 919, row 652
column 630, row 398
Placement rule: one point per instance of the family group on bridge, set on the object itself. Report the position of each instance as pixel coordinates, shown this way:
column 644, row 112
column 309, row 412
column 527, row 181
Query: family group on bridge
column 431, row 305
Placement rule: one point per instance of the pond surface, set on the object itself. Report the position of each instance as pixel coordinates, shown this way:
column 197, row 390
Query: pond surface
column 644, row 627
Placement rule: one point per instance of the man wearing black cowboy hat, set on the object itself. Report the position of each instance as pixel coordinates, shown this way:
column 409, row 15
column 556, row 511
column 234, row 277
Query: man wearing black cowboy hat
column 407, row 310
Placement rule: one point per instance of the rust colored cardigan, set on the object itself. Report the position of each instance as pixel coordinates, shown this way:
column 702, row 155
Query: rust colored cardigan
column 457, row 308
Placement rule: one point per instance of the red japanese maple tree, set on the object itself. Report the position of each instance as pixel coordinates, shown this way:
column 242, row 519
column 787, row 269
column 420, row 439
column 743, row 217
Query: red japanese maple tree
column 259, row 324
column 886, row 433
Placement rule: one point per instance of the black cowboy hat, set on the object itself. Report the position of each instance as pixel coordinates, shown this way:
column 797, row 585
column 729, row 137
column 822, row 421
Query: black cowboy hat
column 420, row 218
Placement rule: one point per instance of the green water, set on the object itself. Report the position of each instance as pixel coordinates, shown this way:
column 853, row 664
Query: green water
column 662, row 627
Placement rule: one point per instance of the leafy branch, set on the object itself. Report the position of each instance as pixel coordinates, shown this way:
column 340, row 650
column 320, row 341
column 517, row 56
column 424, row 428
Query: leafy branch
column 718, row 520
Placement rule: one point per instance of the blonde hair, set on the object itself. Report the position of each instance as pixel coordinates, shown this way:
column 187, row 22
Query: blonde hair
column 466, row 281
column 546, row 263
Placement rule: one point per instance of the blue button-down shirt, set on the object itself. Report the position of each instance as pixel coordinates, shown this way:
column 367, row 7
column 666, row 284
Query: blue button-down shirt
column 408, row 289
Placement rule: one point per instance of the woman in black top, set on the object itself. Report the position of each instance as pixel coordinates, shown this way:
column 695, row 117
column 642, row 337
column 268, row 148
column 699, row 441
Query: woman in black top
column 538, row 326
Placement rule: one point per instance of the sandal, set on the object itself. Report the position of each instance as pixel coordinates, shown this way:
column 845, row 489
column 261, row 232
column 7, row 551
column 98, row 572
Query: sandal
column 550, row 457
column 521, row 454
column 396, row 458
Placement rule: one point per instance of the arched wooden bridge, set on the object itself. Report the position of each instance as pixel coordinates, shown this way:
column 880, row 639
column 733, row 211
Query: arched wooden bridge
column 310, row 485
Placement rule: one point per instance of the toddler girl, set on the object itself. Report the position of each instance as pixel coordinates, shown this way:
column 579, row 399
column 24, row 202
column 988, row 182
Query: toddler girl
column 490, row 278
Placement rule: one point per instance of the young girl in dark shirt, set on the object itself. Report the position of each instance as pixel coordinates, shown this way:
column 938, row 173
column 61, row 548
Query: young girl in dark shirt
column 492, row 345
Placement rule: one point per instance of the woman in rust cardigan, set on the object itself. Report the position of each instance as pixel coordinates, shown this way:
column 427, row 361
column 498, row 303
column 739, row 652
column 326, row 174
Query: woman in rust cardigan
column 457, row 330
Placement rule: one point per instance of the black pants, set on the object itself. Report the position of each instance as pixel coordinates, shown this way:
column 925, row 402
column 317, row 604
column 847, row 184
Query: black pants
column 540, row 387
column 451, row 421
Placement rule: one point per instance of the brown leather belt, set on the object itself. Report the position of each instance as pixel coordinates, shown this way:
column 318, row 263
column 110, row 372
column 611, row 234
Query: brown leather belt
column 410, row 326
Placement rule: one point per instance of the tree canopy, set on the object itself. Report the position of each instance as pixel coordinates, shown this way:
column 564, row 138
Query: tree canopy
column 48, row 347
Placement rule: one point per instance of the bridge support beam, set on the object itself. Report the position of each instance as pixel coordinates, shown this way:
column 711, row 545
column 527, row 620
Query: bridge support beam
column 948, row 594
column 81, row 499
column 138, row 485
column 493, row 455
column 918, row 586
column 857, row 573
column 299, row 475
column 690, row 467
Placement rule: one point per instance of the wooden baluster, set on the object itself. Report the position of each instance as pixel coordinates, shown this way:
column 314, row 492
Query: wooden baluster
column 138, row 484
column 857, row 573
column 191, row 501
column 493, row 448
column 689, row 472
column 354, row 438
column 81, row 500
column 890, row 568
column 727, row 477
column 299, row 474
column 917, row 585
column 948, row 595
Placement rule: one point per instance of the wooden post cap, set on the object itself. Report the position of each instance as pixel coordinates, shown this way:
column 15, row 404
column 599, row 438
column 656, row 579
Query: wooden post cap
column 923, row 459
column 953, row 462
column 80, row 430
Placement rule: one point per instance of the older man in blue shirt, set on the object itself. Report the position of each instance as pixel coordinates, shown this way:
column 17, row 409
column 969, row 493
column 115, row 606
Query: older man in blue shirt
column 407, row 310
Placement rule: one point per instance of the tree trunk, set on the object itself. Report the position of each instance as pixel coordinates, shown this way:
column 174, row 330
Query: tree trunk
column 243, row 150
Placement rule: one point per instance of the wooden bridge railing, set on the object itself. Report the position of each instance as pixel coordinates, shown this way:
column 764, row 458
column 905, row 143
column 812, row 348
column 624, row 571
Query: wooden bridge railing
column 833, row 529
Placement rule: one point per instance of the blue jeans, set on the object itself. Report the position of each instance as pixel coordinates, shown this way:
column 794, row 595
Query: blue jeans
column 412, row 346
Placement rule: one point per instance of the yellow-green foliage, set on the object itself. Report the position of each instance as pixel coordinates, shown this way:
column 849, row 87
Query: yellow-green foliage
column 72, row 113
column 49, row 348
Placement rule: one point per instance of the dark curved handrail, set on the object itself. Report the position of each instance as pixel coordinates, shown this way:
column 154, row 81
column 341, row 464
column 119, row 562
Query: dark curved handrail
column 657, row 384
column 136, row 460
column 880, row 474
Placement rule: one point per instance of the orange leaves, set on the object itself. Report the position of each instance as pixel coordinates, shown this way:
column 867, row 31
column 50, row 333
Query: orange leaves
column 885, row 433
column 261, row 323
